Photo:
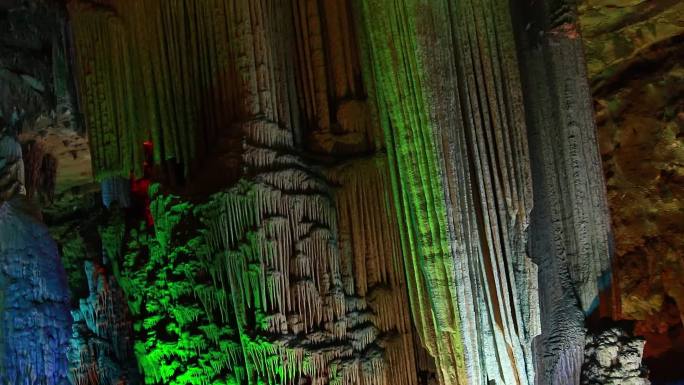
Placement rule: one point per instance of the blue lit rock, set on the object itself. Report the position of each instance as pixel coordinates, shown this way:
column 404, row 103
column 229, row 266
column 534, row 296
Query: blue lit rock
column 100, row 348
column 34, row 301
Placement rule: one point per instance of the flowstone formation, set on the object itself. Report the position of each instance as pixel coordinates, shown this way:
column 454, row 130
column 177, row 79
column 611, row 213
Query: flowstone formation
column 345, row 188
column 311, row 306
column 570, row 235
column 455, row 132
column 179, row 336
column 34, row 323
column 277, row 279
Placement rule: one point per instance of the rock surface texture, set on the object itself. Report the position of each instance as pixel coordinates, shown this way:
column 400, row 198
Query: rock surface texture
column 346, row 191
column 449, row 101
column 635, row 54
column 285, row 283
column 101, row 347
column 34, row 299
column 570, row 226
column 612, row 357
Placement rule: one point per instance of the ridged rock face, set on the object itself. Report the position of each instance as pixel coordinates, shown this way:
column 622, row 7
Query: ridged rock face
column 312, row 262
column 570, row 227
column 449, row 100
column 34, row 303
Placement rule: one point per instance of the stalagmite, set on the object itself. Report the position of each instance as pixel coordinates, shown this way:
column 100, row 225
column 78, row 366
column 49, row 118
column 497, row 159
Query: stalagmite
column 100, row 348
column 34, row 296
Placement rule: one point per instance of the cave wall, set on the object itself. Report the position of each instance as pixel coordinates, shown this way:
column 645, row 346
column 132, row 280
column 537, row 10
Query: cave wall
column 34, row 294
column 297, row 287
column 312, row 116
column 33, row 69
column 359, row 192
column 37, row 101
column 634, row 52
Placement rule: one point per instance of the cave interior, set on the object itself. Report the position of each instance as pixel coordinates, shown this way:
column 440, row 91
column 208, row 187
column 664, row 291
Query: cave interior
column 344, row 192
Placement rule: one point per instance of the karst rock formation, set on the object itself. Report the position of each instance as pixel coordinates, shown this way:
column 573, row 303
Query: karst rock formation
column 34, row 295
column 347, row 192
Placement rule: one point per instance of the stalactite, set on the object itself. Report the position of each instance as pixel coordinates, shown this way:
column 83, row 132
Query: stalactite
column 159, row 71
column 455, row 135
column 276, row 239
column 281, row 267
column 301, row 272
column 183, row 334
column 371, row 263
column 283, row 270
column 328, row 78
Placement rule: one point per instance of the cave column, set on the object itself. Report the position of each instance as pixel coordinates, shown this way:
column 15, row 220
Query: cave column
column 449, row 99
column 570, row 228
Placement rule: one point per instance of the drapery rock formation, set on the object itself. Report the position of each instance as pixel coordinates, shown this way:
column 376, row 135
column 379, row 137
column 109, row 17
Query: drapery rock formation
column 299, row 300
column 455, row 133
column 333, row 192
column 457, row 154
column 570, row 231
